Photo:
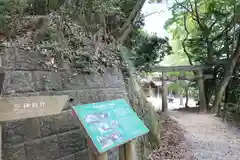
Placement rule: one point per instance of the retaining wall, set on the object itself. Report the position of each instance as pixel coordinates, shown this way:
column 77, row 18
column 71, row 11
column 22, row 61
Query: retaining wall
column 56, row 137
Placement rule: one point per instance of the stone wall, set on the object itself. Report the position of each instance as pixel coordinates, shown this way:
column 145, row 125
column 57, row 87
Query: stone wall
column 55, row 137
column 138, row 100
column 147, row 143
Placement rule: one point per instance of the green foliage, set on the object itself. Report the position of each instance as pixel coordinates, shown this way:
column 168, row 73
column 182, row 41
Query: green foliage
column 205, row 28
column 149, row 50
column 175, row 87
column 90, row 14
column 69, row 22
column 205, row 32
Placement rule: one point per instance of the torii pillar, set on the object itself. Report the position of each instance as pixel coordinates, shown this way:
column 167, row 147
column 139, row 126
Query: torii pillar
column 202, row 99
column 164, row 94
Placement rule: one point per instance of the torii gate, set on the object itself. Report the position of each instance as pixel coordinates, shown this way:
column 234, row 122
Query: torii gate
column 200, row 77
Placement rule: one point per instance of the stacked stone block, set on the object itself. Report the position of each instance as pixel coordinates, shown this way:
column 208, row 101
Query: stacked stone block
column 56, row 137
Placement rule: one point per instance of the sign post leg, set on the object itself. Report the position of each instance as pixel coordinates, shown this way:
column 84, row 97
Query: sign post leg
column 1, row 138
column 164, row 94
column 202, row 99
column 103, row 156
column 129, row 150
column 91, row 154
column 90, row 151
column 122, row 152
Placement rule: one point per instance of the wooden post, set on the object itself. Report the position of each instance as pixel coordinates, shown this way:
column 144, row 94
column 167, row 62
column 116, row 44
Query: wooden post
column 122, row 152
column 181, row 76
column 202, row 99
column 164, row 94
column 103, row 156
column 129, row 148
column 1, row 130
column 91, row 154
column 126, row 151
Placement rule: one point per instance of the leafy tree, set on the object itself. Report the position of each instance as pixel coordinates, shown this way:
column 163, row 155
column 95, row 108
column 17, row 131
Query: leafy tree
column 149, row 50
column 211, row 34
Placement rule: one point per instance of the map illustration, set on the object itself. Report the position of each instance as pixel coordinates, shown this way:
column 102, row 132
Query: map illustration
column 110, row 124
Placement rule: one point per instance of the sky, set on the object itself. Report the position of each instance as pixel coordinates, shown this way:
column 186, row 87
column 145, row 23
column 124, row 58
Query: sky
column 155, row 22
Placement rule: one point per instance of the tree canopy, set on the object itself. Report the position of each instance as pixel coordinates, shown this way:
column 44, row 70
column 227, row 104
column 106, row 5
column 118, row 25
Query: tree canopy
column 149, row 50
column 208, row 32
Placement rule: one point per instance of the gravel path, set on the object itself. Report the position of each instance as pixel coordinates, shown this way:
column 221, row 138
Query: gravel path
column 212, row 139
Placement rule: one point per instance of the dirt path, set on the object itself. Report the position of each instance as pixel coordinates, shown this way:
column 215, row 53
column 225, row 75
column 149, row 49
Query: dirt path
column 211, row 138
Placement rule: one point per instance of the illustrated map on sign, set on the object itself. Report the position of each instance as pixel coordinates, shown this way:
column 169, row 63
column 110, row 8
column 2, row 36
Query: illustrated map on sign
column 110, row 123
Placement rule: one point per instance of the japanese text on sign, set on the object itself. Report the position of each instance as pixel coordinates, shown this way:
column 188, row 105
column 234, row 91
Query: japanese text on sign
column 18, row 107
column 14, row 108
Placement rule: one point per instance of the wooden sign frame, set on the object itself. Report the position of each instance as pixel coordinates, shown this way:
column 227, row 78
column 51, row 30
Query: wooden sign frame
column 125, row 150
column 1, row 136
column 14, row 108
column 87, row 114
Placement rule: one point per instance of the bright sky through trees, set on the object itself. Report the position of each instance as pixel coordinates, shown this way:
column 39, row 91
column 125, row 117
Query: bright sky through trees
column 155, row 22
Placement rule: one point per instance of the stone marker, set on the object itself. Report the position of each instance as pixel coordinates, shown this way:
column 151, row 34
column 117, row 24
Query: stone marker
column 14, row 108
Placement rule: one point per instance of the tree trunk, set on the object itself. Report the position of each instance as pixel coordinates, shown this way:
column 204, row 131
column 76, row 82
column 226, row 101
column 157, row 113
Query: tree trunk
column 127, row 26
column 185, row 39
column 187, row 96
column 227, row 76
column 225, row 103
column 208, row 87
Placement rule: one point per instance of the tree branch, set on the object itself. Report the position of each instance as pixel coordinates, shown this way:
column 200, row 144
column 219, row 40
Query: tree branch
column 180, row 4
column 197, row 16
column 211, row 26
column 183, row 42
column 136, row 10
column 149, row 14
column 226, row 29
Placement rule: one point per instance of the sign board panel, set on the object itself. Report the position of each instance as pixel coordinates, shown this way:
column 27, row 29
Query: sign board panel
column 13, row 108
column 110, row 124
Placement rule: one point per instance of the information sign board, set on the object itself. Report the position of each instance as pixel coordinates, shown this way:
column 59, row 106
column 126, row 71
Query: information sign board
column 13, row 108
column 110, row 124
